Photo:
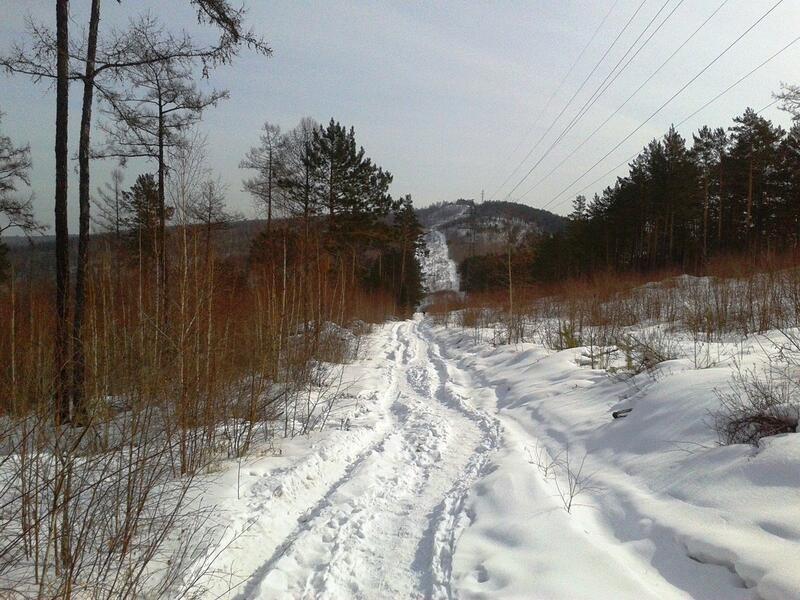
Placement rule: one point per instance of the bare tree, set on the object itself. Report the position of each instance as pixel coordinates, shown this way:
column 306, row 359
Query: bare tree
column 110, row 206
column 15, row 212
column 300, row 185
column 265, row 160
column 62, row 230
column 149, row 114
column 188, row 169
column 299, row 179
column 79, row 356
column 231, row 21
column 18, row 214
column 15, row 164
column 208, row 209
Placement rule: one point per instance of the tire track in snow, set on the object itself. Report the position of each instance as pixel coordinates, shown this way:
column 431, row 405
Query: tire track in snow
column 258, row 506
column 385, row 527
column 450, row 517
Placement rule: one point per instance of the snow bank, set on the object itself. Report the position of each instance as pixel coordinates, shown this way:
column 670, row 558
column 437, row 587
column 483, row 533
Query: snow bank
column 668, row 514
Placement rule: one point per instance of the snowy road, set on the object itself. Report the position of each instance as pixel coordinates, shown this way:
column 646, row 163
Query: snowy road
column 434, row 492
column 440, row 488
column 387, row 527
column 440, row 272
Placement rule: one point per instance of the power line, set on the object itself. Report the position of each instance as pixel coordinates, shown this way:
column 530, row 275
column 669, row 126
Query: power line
column 628, row 99
column 603, row 87
column 635, row 154
column 569, row 102
column 671, row 98
column 541, row 113
column 599, row 91
column 741, row 79
column 714, row 99
column 770, row 105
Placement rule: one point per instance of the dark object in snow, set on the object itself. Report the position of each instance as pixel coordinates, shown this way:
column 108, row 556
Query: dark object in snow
column 621, row 414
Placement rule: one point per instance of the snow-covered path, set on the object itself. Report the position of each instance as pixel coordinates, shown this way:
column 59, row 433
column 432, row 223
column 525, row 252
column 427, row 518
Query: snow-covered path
column 439, row 270
column 435, row 492
column 387, row 527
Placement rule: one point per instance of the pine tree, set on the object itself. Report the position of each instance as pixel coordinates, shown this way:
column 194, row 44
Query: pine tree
column 142, row 209
column 208, row 209
column 708, row 152
column 339, row 164
column 755, row 141
column 408, row 232
column 784, row 224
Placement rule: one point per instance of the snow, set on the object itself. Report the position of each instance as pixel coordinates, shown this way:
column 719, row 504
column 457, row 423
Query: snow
column 449, row 479
column 677, row 515
column 439, row 270
column 370, row 512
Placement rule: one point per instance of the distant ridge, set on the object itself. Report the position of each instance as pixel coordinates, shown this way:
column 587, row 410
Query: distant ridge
column 477, row 228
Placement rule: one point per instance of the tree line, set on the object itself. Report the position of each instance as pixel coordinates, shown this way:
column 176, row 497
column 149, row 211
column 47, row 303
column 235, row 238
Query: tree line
column 729, row 190
column 319, row 195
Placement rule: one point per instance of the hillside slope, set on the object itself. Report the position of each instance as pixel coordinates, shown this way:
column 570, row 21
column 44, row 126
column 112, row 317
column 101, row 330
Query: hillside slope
column 472, row 228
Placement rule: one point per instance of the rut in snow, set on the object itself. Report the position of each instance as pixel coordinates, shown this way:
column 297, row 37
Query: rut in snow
column 387, row 527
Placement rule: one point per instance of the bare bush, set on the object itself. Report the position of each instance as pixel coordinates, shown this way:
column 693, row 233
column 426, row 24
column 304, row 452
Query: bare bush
column 758, row 405
column 566, row 472
column 575, row 481
column 98, row 522
column 540, row 457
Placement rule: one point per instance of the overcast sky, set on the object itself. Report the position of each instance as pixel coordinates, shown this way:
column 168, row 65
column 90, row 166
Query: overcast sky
column 448, row 96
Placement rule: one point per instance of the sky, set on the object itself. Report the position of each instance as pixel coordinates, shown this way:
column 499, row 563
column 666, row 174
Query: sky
column 449, row 97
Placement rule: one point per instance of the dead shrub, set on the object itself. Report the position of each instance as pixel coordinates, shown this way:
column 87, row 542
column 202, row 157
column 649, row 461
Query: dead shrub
column 758, row 405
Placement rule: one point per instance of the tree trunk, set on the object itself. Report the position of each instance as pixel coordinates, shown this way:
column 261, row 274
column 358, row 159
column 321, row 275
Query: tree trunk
column 749, row 199
column 705, row 219
column 304, row 253
column 79, row 366
column 269, row 194
column 721, row 200
column 331, row 192
column 162, row 215
column 402, row 295
column 61, row 226
column 510, row 294
column 671, row 234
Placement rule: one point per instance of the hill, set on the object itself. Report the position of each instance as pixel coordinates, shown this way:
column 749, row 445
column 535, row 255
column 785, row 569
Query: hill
column 34, row 258
column 478, row 228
